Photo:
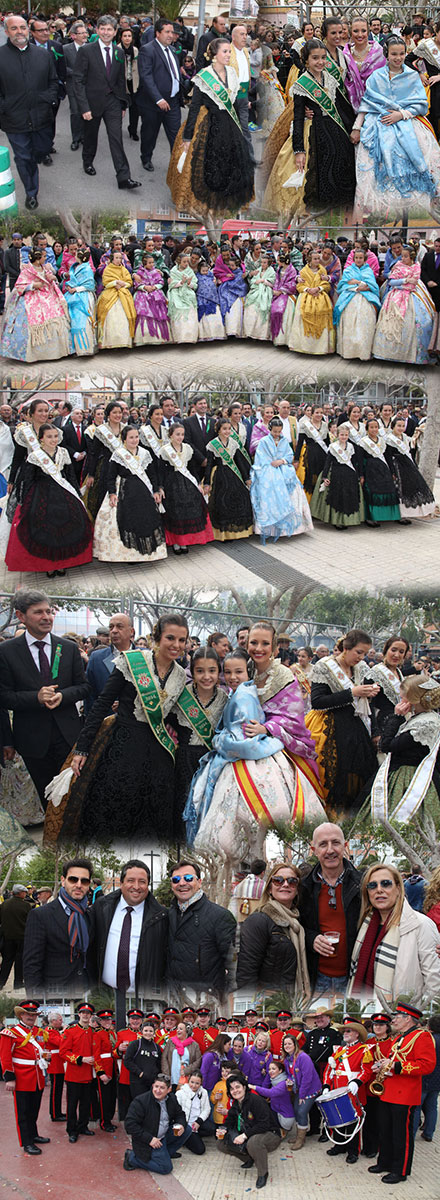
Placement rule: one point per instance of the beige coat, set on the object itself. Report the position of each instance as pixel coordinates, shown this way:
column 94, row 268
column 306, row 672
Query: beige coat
column 195, row 1057
column 135, row 69
column 417, row 972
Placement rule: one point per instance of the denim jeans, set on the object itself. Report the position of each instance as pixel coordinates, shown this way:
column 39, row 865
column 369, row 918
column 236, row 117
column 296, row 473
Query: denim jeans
column 429, row 1106
column 301, row 1109
column 331, row 983
column 160, row 1160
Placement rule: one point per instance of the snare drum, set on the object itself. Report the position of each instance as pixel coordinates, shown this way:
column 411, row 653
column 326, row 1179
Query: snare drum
column 339, row 1108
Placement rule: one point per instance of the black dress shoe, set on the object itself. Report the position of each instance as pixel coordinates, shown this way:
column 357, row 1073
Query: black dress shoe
column 129, row 184
column 47, row 160
column 87, row 1132
column 248, row 1162
column 134, row 137
column 74, row 145
column 109, row 1128
column 391, row 1178
column 404, row 521
column 371, row 1155
column 31, row 202
column 31, row 1149
column 351, row 1158
column 50, row 574
column 148, row 166
column 40, row 1141
column 63, row 1117
column 373, row 524
column 322, row 1137
column 334, row 1151
column 262, row 1180
column 90, row 170
column 128, row 1166
column 73, row 1137
column 376, row 1170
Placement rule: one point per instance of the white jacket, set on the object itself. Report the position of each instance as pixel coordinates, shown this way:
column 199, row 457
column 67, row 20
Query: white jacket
column 417, row 972
column 185, row 1097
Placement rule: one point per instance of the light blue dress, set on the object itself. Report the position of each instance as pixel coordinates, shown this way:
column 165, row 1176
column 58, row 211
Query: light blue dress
column 278, row 499
column 397, row 164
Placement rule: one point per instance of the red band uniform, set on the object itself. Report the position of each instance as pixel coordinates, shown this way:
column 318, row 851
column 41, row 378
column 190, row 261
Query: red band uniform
column 77, row 1044
column 22, row 1062
column 104, row 1047
column 51, row 1041
column 412, row 1055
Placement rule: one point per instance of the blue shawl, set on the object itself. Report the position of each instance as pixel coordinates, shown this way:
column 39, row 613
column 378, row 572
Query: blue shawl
column 80, row 275
column 207, row 296
column 345, row 293
column 394, row 149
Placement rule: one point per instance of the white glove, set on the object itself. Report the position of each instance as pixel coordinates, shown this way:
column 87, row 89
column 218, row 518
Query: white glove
column 325, row 1091
column 353, row 1088
column 331, row 1062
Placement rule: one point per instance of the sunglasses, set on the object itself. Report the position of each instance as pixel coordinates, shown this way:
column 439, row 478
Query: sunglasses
column 384, row 883
column 179, row 878
column 278, row 880
column 84, row 879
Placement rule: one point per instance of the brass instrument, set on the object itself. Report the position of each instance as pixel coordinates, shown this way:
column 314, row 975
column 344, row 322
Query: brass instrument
column 377, row 1087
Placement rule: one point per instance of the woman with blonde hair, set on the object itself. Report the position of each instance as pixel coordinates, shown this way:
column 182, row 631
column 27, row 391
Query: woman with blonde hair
column 395, row 952
column 409, row 778
column 272, row 942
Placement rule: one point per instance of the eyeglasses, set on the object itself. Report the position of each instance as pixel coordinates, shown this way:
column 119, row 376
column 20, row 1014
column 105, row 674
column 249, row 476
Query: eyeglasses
column 179, row 878
column 384, row 883
column 84, row 879
column 279, row 881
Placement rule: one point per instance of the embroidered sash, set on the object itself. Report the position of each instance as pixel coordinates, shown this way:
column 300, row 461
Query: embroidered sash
column 335, row 70
column 39, row 458
column 149, row 696
column 415, row 792
column 196, row 716
column 307, row 86
column 150, row 439
column 343, row 456
column 376, row 449
column 236, row 438
column 222, row 452
column 309, row 429
column 105, row 435
column 428, row 50
column 56, row 661
column 387, row 680
column 170, row 454
column 125, row 459
column 219, row 92
column 400, row 444
column 343, row 681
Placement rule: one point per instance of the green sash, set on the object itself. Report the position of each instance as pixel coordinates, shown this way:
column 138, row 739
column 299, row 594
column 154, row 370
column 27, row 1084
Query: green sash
column 220, row 92
column 196, row 716
column 225, row 456
column 334, row 70
column 239, row 442
column 308, row 86
column 149, row 696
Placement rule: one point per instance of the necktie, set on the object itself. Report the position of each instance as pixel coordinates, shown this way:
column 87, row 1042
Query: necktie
column 123, row 960
column 78, row 433
column 204, row 424
column 108, row 61
column 44, row 663
column 170, row 62
column 437, row 261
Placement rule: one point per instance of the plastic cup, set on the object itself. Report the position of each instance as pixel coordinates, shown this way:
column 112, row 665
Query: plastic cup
column 333, row 937
column 221, row 1133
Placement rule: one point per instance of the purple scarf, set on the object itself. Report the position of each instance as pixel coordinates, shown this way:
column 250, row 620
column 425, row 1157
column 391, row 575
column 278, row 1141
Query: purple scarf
column 151, row 307
column 287, row 285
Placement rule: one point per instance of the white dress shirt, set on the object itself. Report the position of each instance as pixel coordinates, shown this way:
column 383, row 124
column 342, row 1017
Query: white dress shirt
column 103, row 51
column 243, row 66
column 114, row 937
column 287, row 430
column 173, row 67
column 34, row 649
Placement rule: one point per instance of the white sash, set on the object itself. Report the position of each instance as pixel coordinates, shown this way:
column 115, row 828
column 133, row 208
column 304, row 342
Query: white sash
column 39, row 458
column 343, row 456
column 376, row 449
column 360, row 703
column 31, row 1041
column 310, row 431
column 355, row 435
column 415, row 792
column 427, row 48
column 387, row 680
column 150, row 439
column 134, row 464
column 105, row 435
column 400, row 444
column 170, row 454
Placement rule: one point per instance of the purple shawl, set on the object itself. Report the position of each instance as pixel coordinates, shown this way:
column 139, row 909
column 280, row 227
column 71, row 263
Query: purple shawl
column 284, row 715
column 151, row 307
column 356, row 77
column 287, row 285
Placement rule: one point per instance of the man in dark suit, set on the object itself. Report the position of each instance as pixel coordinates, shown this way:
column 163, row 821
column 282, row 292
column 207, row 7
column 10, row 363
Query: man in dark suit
column 200, row 429
column 99, row 85
column 56, row 943
column 430, row 272
column 14, row 914
column 129, row 930
column 64, row 412
column 158, row 97
column 102, row 661
column 40, row 37
column 216, row 29
column 74, row 439
column 41, row 679
column 79, row 36
column 28, row 91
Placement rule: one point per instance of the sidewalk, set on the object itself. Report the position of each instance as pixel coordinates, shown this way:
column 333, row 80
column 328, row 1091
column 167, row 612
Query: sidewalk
column 94, row 1169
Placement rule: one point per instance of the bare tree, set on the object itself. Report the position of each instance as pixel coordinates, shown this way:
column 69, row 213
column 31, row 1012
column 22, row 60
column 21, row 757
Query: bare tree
column 431, row 437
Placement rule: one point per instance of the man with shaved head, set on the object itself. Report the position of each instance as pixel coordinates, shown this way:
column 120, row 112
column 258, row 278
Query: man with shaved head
column 330, row 904
column 28, row 93
column 102, row 661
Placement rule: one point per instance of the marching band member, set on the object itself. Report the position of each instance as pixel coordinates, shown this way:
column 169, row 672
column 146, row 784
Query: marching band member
column 24, row 1067
column 412, row 1055
column 124, row 1036
column 345, row 1068
column 380, row 1049
column 50, row 1039
column 76, row 1051
column 204, row 1033
column 104, row 1046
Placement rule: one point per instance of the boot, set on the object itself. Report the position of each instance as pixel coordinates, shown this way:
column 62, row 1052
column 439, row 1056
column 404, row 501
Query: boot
column 300, row 1139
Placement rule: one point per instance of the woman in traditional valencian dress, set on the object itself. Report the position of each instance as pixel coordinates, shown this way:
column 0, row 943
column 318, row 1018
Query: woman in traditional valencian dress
column 363, row 58
column 257, row 305
column 115, row 309
column 354, row 426
column 406, row 319
column 227, row 483
column 51, row 529
column 79, row 292
column 232, row 290
column 129, row 526
column 340, row 724
column 415, row 497
column 35, row 324
column 182, row 301
column 356, row 308
column 381, row 499
column 388, row 675
column 123, row 765
column 282, row 309
column 197, row 712
column 398, row 159
column 106, row 439
column 311, row 449
column 408, row 780
column 152, row 324
column 316, row 171
column 211, row 327
column 217, row 175
column 262, row 768
column 337, row 499
column 312, row 327
column 186, row 513
column 427, row 52
column 278, row 499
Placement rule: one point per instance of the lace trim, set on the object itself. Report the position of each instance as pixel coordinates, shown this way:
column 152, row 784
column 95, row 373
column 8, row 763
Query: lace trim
column 213, row 712
column 424, row 728
column 231, row 448
column 388, row 682
column 174, row 685
column 278, row 678
column 232, row 87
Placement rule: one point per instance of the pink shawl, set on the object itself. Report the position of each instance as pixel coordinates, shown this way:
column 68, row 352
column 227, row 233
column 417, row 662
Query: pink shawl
column 357, row 74
column 399, row 297
column 45, row 305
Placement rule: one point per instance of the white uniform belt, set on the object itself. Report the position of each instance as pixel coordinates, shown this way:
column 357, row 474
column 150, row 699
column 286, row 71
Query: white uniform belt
column 25, row 1062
